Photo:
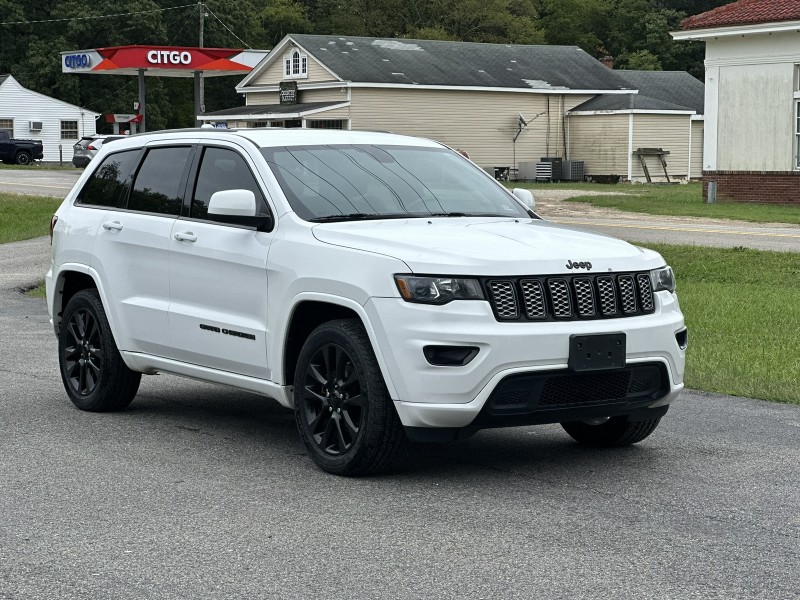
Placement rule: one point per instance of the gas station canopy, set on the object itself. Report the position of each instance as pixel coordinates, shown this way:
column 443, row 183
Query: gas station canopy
column 161, row 61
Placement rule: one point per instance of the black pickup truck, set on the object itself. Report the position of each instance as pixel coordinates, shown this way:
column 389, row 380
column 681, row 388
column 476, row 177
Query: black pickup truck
column 21, row 152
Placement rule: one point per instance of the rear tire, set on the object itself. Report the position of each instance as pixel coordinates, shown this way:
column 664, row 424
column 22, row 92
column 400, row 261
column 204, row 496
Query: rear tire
column 92, row 370
column 343, row 411
column 617, row 431
column 23, row 158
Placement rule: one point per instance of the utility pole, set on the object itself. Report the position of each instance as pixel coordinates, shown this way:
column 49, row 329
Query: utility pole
column 202, row 8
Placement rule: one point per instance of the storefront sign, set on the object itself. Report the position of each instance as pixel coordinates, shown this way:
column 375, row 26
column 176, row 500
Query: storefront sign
column 288, row 92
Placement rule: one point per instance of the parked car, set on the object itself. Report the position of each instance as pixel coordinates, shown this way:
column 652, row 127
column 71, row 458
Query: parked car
column 21, row 152
column 86, row 148
column 382, row 286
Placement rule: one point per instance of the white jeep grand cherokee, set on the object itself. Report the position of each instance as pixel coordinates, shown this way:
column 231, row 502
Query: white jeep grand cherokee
column 383, row 286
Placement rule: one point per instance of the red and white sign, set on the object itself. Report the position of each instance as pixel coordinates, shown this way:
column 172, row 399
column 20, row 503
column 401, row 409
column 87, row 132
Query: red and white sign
column 118, row 118
column 168, row 61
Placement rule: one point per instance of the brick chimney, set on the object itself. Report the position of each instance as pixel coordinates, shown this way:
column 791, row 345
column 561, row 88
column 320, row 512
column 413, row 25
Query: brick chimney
column 608, row 61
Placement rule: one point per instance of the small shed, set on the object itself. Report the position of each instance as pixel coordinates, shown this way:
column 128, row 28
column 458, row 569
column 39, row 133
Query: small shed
column 26, row 114
column 667, row 113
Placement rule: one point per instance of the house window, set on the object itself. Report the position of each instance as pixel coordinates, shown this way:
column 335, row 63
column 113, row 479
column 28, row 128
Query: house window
column 797, row 134
column 295, row 64
column 260, row 124
column 7, row 125
column 325, row 124
column 69, row 130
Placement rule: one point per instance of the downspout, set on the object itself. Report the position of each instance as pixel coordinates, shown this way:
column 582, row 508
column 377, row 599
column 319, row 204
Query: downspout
column 689, row 168
column 630, row 146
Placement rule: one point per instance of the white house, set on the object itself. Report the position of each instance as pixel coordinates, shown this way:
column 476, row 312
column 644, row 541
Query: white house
column 29, row 115
column 751, row 146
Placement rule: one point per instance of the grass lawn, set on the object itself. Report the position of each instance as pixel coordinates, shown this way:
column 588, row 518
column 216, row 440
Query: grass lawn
column 676, row 200
column 24, row 217
column 742, row 308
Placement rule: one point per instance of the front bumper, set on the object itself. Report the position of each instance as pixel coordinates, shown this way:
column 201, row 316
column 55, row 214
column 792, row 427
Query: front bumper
column 447, row 396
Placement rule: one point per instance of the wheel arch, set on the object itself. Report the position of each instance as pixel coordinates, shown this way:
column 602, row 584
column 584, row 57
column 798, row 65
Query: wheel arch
column 311, row 311
column 71, row 279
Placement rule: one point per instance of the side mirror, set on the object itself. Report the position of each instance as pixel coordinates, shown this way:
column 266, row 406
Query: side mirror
column 525, row 196
column 234, row 203
column 237, row 207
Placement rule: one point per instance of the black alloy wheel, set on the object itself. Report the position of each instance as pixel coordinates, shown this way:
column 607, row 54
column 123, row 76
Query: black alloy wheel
column 343, row 411
column 83, row 352
column 333, row 405
column 94, row 374
column 23, row 158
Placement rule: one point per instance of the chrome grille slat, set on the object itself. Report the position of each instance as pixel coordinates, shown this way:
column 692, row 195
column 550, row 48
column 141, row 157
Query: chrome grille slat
column 608, row 295
column 645, row 291
column 505, row 299
column 627, row 293
column 584, row 294
column 571, row 297
column 533, row 298
column 560, row 297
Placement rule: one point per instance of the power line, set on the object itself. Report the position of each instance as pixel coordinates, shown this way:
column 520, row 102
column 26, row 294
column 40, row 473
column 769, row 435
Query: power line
column 228, row 28
column 127, row 14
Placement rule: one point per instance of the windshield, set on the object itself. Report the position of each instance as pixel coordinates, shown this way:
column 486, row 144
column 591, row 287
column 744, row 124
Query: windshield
column 342, row 182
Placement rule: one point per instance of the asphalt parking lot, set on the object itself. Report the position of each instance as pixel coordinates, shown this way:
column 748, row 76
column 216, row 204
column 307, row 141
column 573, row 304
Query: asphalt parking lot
column 202, row 492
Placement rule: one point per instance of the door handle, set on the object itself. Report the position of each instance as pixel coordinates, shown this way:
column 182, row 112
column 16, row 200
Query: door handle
column 112, row 225
column 186, row 236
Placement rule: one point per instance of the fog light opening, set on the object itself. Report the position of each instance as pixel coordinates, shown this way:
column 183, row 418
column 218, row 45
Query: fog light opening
column 682, row 337
column 450, row 356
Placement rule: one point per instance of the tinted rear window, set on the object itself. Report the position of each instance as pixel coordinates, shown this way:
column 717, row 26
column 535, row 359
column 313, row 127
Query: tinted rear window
column 107, row 184
column 157, row 185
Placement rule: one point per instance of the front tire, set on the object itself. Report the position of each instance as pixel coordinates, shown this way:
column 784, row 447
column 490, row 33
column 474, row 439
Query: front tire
column 616, row 431
column 343, row 411
column 92, row 370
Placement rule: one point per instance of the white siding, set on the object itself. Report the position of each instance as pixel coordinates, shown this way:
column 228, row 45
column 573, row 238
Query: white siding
column 697, row 149
column 482, row 123
column 601, row 141
column 23, row 105
column 274, row 72
column 669, row 132
column 337, row 94
column 749, row 119
column 754, row 130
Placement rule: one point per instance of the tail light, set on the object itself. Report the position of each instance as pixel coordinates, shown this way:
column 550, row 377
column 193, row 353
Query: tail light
column 53, row 222
column 91, row 148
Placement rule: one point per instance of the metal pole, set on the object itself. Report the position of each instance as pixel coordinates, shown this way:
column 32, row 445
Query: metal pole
column 202, row 93
column 712, row 192
column 142, row 110
column 197, row 92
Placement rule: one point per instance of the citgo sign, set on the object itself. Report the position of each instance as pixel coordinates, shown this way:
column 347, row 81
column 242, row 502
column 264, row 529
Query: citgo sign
column 77, row 61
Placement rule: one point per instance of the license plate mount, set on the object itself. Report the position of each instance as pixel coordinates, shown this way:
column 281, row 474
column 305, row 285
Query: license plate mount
column 596, row 352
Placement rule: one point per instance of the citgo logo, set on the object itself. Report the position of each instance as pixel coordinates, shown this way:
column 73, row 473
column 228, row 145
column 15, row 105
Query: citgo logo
column 77, row 61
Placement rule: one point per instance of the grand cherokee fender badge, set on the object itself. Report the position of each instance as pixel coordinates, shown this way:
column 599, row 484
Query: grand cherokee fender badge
column 239, row 334
column 579, row 265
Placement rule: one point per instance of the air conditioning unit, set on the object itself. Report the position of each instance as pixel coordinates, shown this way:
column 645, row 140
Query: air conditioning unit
column 35, row 125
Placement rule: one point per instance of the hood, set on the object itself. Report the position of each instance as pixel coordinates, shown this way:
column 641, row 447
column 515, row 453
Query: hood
column 488, row 246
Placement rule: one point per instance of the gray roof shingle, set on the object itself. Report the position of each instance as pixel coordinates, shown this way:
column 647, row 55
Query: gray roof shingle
column 658, row 90
column 461, row 64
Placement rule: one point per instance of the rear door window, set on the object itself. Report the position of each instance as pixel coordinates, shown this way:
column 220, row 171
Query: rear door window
column 223, row 169
column 157, row 187
column 106, row 186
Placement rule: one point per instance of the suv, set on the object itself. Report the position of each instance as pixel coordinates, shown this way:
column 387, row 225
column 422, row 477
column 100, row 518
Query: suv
column 86, row 148
column 383, row 287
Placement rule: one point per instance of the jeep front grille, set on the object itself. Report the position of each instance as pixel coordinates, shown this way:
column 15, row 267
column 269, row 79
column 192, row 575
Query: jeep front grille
column 571, row 297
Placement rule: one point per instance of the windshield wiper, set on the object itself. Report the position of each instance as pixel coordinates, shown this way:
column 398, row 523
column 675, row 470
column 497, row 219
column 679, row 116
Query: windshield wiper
column 346, row 217
column 449, row 214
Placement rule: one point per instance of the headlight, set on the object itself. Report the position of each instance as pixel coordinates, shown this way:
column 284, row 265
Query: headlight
column 437, row 290
column 663, row 279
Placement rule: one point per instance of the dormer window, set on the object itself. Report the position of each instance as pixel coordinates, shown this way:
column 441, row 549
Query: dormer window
column 295, row 65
